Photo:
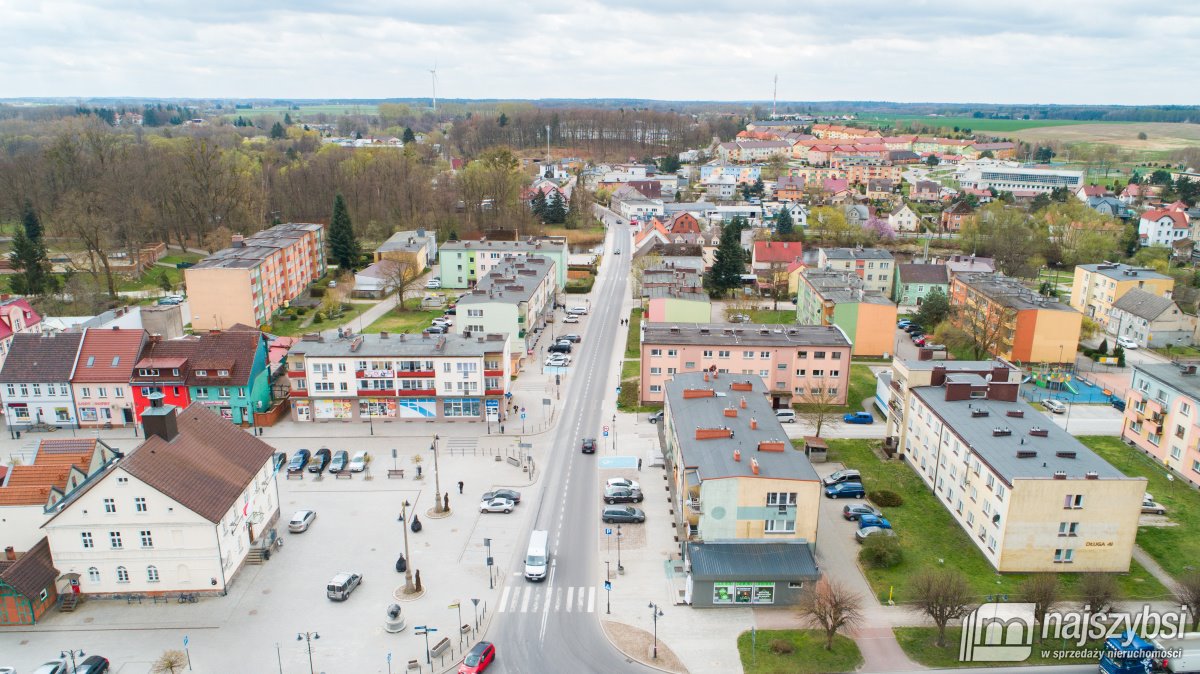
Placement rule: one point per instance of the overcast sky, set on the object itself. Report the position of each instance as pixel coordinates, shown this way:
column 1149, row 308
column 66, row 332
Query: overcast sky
column 1004, row 51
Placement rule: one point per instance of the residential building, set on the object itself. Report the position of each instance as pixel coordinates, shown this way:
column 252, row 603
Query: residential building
column 1162, row 227
column 1151, row 320
column 857, row 214
column 382, row 278
column 881, row 188
column 180, row 512
column 789, row 188
column 16, row 317
column 1098, row 286
column 745, row 173
column 925, row 191
column 1011, row 176
column 418, row 247
column 874, row 266
column 1111, row 206
column 777, row 255
column 1029, row 496
column 400, row 377
column 795, row 362
column 753, row 150
column 631, row 204
column 37, row 380
column 904, row 220
column 915, row 281
column 247, row 282
column 1085, row 193
column 100, row 383
column 1012, row 322
column 720, row 187
column 667, row 304
column 516, row 298
column 957, row 215
column 967, row 264
column 866, row 316
column 1161, row 418
column 28, row 586
column 463, row 263
column 732, row 496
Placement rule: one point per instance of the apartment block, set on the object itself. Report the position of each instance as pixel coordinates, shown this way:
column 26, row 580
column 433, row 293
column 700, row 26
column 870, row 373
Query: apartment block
column 515, row 298
column 1161, row 417
column 1029, row 495
column 865, row 316
column 1013, row 322
column 1097, row 287
column 794, row 362
column 874, row 266
column 461, row 264
column 258, row 274
column 418, row 247
column 399, row 377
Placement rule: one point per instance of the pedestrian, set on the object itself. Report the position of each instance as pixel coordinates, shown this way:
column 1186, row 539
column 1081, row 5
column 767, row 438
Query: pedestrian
column 501, row 429
column 460, row 486
column 639, row 465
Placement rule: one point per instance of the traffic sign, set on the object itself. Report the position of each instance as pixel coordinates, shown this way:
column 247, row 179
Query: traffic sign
column 607, row 531
column 185, row 641
column 618, row 390
column 389, row 656
column 608, row 584
column 522, row 416
column 606, row 428
column 606, row 434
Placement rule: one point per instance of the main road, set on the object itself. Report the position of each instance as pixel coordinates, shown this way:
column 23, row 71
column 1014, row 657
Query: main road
column 553, row 626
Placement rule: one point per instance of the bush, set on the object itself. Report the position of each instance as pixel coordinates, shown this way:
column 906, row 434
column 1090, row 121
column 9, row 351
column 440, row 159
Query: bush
column 316, row 291
column 581, row 287
column 881, row 552
column 318, row 317
column 781, row 647
column 885, row 498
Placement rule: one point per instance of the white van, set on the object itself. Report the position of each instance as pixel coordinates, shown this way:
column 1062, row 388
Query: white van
column 537, row 558
column 786, row 416
column 341, row 585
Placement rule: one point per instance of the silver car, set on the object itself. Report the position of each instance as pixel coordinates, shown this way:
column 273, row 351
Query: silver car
column 496, row 505
column 301, row 521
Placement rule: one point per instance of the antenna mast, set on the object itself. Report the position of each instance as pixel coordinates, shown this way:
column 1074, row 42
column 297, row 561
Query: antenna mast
column 775, row 96
column 433, row 74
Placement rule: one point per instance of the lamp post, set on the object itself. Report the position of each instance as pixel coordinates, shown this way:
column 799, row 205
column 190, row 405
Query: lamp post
column 71, row 653
column 620, row 568
column 371, row 417
column 408, row 579
column 437, row 489
column 655, row 613
column 308, row 638
column 458, row 605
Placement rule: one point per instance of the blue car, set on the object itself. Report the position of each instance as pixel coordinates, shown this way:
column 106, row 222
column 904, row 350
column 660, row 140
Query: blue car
column 904, row 323
column 846, row 490
column 865, row 521
column 859, row 418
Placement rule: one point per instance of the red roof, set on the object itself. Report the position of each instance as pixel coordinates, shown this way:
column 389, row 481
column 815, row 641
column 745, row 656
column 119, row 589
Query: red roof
column 778, row 251
column 31, row 317
column 108, row 356
column 1180, row 219
column 835, row 185
column 1093, row 190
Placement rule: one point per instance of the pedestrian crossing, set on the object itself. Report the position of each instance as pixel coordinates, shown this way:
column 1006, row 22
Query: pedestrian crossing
column 540, row 598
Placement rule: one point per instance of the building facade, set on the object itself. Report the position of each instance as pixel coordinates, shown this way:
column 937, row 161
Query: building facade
column 1010, row 321
column 1097, row 287
column 1161, row 418
column 100, row 383
column 1010, row 176
column 1151, row 321
column 463, row 263
column 866, row 317
column 16, row 317
column 36, row 380
column 515, row 298
column 874, row 266
column 417, row 247
column 915, row 281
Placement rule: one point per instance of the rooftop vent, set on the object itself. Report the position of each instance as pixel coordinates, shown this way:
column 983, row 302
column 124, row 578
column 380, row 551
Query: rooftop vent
column 1001, row 432
column 980, row 413
column 1026, row 454
column 1039, row 432
column 1060, row 475
column 1091, row 475
column 1020, row 414
column 1066, row 454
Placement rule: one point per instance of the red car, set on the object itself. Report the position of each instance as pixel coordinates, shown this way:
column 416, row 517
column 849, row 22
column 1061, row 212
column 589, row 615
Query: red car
column 478, row 658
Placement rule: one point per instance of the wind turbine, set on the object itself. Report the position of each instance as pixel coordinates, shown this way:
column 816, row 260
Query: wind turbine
column 433, row 74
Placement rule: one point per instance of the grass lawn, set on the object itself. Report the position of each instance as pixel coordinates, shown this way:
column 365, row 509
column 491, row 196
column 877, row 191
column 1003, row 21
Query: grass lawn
column 930, row 537
column 178, row 258
column 293, row 328
column 150, row 279
column 1179, row 352
column 808, row 653
column 862, row 386
column 772, row 317
column 585, row 237
column 633, row 346
column 412, row 320
column 918, row 643
column 948, row 123
column 1175, row 548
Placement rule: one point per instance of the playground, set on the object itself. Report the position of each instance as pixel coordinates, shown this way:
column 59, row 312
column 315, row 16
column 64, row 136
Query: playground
column 1052, row 381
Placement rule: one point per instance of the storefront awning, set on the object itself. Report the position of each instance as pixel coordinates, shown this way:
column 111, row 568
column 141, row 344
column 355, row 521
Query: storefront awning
column 748, row 560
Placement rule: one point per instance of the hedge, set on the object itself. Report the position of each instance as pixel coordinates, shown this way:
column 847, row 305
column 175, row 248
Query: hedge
column 581, row 287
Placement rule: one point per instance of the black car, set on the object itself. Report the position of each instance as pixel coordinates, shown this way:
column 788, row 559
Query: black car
column 341, row 461
column 435, row 330
column 575, row 339
column 510, row 494
column 94, row 664
column 299, row 461
column 560, row 347
column 320, row 460
column 280, row 460
column 623, row 514
column 913, row 327
column 450, row 312
column 622, row 495
column 589, row 445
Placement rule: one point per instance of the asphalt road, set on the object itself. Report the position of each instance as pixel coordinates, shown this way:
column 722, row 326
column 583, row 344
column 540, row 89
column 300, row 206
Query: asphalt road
column 551, row 638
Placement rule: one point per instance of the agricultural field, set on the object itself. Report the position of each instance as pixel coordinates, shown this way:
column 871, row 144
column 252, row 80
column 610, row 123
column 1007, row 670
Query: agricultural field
column 1161, row 137
column 982, row 124
column 304, row 111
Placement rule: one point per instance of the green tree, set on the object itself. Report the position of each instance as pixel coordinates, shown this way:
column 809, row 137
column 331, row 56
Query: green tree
column 277, row 132
column 1039, row 202
column 729, row 262
column 343, row 245
column 555, row 212
column 987, row 154
column 287, row 119
column 935, row 308
column 758, row 188
column 668, row 163
column 32, row 224
column 29, row 258
column 1160, row 177
column 163, row 280
column 502, row 121
column 932, row 160
column 537, row 205
column 408, row 136
column 580, row 209
column 784, row 226
column 1043, row 154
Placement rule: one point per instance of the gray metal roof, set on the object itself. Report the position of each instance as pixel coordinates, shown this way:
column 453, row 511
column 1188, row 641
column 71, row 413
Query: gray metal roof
column 1000, row 452
column 981, row 365
column 257, row 247
column 856, row 254
column 752, row 560
column 678, row 293
column 1011, row 293
column 843, row 287
column 411, row 241
column 713, row 458
column 1171, row 375
column 1143, row 304
column 513, row 281
column 400, row 345
column 745, row 334
column 524, row 246
column 1122, row 272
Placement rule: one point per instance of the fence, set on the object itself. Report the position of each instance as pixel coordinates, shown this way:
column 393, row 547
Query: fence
column 447, row 660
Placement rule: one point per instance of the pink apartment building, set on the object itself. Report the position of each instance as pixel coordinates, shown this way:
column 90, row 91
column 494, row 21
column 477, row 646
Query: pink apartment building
column 795, row 362
column 1162, row 416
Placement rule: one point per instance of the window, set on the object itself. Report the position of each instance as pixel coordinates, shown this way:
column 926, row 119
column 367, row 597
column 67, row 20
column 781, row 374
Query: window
column 1176, row 452
column 102, row 392
column 85, row 392
column 122, row 574
column 37, row 389
column 12, row 390
column 114, row 540
column 93, row 575
column 801, row 373
column 835, row 373
column 765, row 355
column 146, row 538
column 672, row 353
column 223, row 391
column 708, row 353
column 1185, row 409
column 818, row 373
column 999, row 492
column 656, row 388
column 1073, row 502
column 201, row 373
column 152, row 573
column 1064, row 556
column 86, row 538
column 110, row 505
column 139, row 504
column 655, row 352
column 819, row 355
column 175, row 372
column 722, row 354
column 802, row 354
column 689, row 365
column 781, row 498
column 323, row 386
column 970, row 518
column 780, row 525
column 1068, row 528
column 1179, row 431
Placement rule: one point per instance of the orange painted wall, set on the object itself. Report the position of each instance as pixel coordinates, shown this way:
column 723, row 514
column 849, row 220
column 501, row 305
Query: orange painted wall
column 875, row 333
column 1040, row 333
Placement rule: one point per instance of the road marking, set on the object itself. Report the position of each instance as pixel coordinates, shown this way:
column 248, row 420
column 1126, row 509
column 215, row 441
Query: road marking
column 546, row 610
column 571, row 597
column 525, row 600
column 591, row 599
column 504, row 596
column 558, row 595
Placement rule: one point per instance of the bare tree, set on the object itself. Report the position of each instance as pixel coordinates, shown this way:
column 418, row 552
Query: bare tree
column 777, row 276
column 941, row 594
column 1188, row 594
column 820, row 404
column 640, row 265
column 1042, row 591
column 170, row 662
column 1099, row 591
column 830, row 606
column 983, row 327
column 403, row 277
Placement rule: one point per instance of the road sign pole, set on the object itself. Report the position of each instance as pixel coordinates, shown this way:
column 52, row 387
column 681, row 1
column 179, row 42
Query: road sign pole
column 608, row 595
column 187, row 652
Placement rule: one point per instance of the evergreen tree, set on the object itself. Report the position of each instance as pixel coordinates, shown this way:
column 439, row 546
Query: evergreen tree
column 409, row 136
column 556, row 210
column 287, row 119
column 538, row 205
column 277, row 131
column 502, row 121
column 729, row 262
column 758, row 188
column 32, row 224
column 343, row 246
column 784, row 225
column 29, row 257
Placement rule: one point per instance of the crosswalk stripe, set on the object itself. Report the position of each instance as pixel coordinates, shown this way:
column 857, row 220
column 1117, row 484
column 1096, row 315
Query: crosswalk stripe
column 571, row 597
column 591, row 599
column 526, row 595
column 504, row 597
column 531, row 599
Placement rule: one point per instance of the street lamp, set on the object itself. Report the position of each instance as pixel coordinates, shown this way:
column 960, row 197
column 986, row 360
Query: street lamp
column 620, row 568
column 437, row 489
column 408, row 579
column 71, row 653
column 308, row 638
column 655, row 613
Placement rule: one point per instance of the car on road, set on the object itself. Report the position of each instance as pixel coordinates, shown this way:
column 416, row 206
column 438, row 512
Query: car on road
column 623, row 514
column 558, row 360
column 478, row 658
column 578, row 311
column 912, row 327
column 903, row 323
column 589, row 445
column 1126, row 343
column 341, row 460
column 656, row 417
column 874, row 521
column 843, row 475
column 919, row 339
column 571, row 319
column 560, row 347
column 436, row 330
column 618, row 252
column 170, row 300
column 433, row 283
column 858, row 418
column 510, row 494
column 342, row 585
column 301, row 521
column 866, row 532
column 787, row 416
column 497, row 505
column 1054, row 406
column 443, row 322
column 359, row 463
column 320, row 461
column 622, row 495
column 623, row 482
column 575, row 339
column 299, row 461
column 54, row 667
column 846, row 490
column 8, row 670
column 1152, row 507
column 854, row 511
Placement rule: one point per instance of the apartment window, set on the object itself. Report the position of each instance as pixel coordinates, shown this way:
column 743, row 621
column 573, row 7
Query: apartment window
column 12, row 390
column 102, row 392
column 341, row 367
column 175, row 372
column 689, row 365
column 671, row 370
column 748, row 354
column 1073, row 502
column 987, row 507
column 122, row 574
column 1064, row 556
column 971, row 518
column 93, row 575
column 110, row 505
column 343, row 386
column 765, row 355
column 152, row 573
column 991, row 480
column 708, row 353
column 819, row 355
column 801, row 373
column 781, row 498
column 85, row 392
column 201, row 373
column 818, row 373
column 139, row 504
column 1175, row 452
column 1185, row 409
column 655, row 352
column 655, row 388
column 37, row 389
column 723, row 354
column 114, row 540
column 223, row 392
column 802, row 354
column 1179, row 431
column 832, row 390
column 974, row 493
column 1068, row 528
column 146, row 538
column 999, row 492
column 671, row 353
column 475, row 313
column 779, row 526
column 86, row 539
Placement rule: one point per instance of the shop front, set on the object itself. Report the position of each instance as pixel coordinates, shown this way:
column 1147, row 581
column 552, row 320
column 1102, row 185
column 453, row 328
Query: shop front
column 749, row 572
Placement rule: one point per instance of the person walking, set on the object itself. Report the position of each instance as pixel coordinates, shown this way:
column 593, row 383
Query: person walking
column 460, row 486
column 639, row 465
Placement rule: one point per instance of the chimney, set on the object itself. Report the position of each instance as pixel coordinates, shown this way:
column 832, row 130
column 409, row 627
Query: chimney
column 705, row 376
column 237, row 241
column 10, row 554
column 159, row 419
column 743, row 403
column 754, row 466
column 753, row 424
column 731, row 411
column 737, row 456
column 383, row 334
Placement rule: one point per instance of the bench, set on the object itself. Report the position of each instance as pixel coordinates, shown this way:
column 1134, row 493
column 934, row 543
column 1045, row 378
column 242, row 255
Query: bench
column 440, row 647
column 343, row 475
column 414, row 664
column 395, row 473
column 465, row 629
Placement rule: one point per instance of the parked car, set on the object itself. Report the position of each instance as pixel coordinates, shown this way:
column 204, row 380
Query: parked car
column 571, row 319
column 443, row 321
column 919, row 339
column 478, row 658
column 622, row 495
column 843, row 475
column 558, row 360
column 301, row 521
column 54, row 667
column 589, row 445
column 623, row 514
column 496, row 505
column 341, row 585
column 656, row 417
column 571, row 338
column 436, row 330
column 874, row 521
column 510, row 494
column 320, row 460
column 866, row 532
column 1126, row 343
column 903, row 323
column 846, row 490
column 913, row 327
column 933, row 347
column 1151, row 507
column 786, row 416
column 618, row 252
column 299, row 461
column 450, row 312
column 854, row 511
column 280, row 462
column 170, row 300
column 341, row 460
column 578, row 311
column 623, row 482
column 359, row 463
column 560, row 347
column 94, row 664
column 1054, row 406
column 859, row 418
column 1119, row 404
column 433, row 283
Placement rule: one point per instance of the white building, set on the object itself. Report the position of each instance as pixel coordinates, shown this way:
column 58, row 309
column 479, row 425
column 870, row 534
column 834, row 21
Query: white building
column 1163, row 227
column 179, row 513
column 875, row 266
column 36, row 380
column 514, row 299
column 1007, row 176
column 904, row 220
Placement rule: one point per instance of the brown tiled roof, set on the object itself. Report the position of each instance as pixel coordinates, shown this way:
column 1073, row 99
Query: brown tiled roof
column 108, row 356
column 231, row 349
column 41, row 357
column 33, row 572
column 205, row 467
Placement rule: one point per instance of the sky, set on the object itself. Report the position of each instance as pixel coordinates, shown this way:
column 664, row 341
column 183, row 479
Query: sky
column 998, row 51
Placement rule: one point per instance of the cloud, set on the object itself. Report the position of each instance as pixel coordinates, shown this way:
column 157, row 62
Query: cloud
column 1062, row 51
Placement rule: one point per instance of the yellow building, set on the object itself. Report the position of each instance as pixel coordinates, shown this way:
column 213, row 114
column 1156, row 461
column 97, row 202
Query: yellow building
column 258, row 274
column 1013, row 322
column 1030, row 496
column 1098, row 286
column 417, row 247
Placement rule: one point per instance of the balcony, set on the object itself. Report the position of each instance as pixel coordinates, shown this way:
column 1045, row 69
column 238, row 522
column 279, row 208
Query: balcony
column 376, row 393
column 408, row 393
column 493, row 392
column 298, row 393
column 295, row 374
column 491, row 373
column 414, row 373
